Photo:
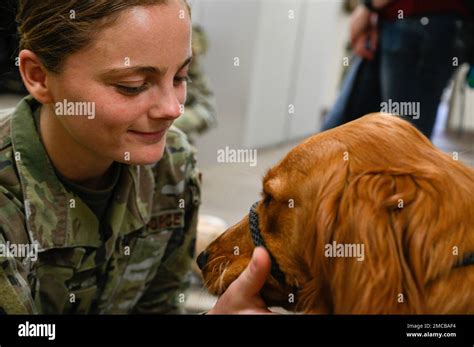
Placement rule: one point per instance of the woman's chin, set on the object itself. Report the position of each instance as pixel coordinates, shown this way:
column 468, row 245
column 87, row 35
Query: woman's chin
column 143, row 156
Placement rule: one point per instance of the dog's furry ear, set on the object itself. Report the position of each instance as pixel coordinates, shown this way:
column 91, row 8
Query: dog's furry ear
column 404, row 219
column 394, row 217
column 408, row 211
column 376, row 214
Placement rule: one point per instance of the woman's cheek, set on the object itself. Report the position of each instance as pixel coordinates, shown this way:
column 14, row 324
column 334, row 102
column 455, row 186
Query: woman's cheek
column 116, row 120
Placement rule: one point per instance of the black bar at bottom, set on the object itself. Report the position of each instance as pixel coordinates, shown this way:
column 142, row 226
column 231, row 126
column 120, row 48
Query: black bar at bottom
column 293, row 329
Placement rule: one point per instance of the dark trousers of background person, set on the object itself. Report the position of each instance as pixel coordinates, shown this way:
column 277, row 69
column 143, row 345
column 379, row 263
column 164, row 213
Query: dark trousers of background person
column 414, row 63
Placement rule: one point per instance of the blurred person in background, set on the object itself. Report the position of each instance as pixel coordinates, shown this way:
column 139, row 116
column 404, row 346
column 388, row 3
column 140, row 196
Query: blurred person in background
column 200, row 109
column 413, row 53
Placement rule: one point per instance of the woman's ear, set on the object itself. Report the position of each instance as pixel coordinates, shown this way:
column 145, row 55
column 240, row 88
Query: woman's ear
column 35, row 76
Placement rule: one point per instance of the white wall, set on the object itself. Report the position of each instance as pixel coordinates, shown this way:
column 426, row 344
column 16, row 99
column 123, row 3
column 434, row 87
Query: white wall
column 283, row 61
column 277, row 47
column 318, row 65
column 230, row 26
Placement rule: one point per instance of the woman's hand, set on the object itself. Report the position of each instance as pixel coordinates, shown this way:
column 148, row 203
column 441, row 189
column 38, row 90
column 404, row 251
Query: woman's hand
column 364, row 32
column 243, row 295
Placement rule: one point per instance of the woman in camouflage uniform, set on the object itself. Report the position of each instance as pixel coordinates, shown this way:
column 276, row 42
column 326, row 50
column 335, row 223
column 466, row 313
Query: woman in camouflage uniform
column 93, row 176
column 99, row 193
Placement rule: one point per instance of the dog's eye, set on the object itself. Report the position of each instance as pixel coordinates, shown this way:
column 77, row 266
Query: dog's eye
column 267, row 200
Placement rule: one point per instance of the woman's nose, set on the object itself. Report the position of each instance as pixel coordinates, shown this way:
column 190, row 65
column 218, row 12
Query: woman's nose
column 166, row 105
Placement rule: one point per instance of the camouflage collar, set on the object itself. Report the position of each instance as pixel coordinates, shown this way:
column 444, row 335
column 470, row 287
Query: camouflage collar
column 54, row 217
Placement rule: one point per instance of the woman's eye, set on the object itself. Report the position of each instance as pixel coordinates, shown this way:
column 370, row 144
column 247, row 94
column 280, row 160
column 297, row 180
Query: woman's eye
column 131, row 90
column 182, row 79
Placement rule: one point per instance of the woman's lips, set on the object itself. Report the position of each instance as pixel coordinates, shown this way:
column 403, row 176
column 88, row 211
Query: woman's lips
column 148, row 137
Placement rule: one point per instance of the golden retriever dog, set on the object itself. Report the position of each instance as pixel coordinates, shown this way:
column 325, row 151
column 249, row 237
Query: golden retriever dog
column 366, row 218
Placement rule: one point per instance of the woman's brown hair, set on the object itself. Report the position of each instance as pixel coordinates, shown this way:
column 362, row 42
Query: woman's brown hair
column 54, row 29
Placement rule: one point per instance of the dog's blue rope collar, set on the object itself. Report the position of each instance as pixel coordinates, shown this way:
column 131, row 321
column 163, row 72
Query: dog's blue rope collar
column 259, row 241
column 468, row 260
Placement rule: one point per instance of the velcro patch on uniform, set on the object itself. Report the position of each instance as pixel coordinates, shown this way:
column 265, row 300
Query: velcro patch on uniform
column 10, row 301
column 169, row 219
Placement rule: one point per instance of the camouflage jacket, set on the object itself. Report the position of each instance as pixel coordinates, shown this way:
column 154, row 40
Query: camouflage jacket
column 139, row 264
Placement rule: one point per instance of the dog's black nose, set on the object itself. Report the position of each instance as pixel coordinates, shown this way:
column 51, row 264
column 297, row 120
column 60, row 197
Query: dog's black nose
column 202, row 259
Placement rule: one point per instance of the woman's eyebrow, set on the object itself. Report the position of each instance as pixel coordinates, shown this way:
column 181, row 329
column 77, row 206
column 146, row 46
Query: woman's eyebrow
column 186, row 63
column 139, row 69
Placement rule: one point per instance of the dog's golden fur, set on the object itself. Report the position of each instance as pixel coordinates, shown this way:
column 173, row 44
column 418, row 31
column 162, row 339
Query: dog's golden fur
column 376, row 181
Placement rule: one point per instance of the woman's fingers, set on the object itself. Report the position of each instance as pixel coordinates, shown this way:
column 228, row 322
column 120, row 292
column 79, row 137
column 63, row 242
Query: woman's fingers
column 251, row 281
column 243, row 295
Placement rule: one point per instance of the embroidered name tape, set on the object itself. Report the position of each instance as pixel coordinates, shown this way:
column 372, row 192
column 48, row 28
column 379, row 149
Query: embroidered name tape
column 167, row 220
